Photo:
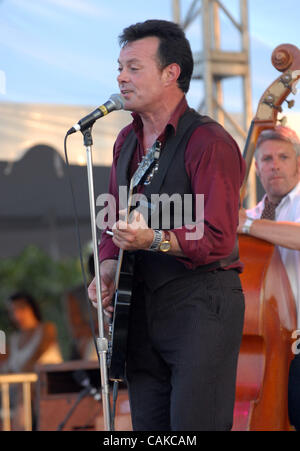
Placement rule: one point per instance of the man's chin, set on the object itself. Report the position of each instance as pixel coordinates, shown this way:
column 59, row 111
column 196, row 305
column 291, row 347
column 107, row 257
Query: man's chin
column 279, row 193
column 128, row 106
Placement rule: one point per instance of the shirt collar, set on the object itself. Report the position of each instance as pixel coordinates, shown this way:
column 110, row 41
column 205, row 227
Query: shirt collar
column 291, row 195
column 172, row 122
column 294, row 192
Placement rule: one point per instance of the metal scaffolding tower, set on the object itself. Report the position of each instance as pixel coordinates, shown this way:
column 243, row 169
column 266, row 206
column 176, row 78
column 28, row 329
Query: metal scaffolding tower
column 213, row 65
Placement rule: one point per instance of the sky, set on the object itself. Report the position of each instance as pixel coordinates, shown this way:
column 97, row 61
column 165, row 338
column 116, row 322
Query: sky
column 66, row 51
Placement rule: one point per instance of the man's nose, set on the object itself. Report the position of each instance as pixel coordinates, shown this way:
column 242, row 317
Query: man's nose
column 276, row 164
column 123, row 76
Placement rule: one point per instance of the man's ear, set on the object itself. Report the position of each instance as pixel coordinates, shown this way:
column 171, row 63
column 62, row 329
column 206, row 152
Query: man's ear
column 298, row 161
column 171, row 73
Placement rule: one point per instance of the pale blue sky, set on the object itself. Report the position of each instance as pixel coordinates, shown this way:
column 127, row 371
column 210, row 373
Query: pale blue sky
column 65, row 51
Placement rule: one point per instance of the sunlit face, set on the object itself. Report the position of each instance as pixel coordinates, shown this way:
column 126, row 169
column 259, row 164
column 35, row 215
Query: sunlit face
column 278, row 168
column 141, row 81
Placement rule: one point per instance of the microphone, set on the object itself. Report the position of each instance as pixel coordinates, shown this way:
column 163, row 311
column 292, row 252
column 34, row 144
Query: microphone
column 115, row 102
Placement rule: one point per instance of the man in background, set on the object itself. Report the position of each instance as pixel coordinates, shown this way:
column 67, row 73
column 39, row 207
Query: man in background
column 276, row 218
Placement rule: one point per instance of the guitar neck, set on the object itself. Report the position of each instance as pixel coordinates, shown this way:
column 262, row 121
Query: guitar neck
column 121, row 251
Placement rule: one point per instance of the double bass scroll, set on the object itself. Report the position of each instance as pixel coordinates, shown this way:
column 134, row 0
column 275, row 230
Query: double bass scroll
column 286, row 59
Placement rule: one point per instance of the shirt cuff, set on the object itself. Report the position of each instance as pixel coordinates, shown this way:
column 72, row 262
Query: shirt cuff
column 107, row 249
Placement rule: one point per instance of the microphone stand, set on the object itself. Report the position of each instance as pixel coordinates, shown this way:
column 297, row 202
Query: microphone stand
column 102, row 342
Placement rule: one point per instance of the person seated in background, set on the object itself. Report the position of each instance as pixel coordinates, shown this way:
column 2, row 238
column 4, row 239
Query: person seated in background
column 276, row 218
column 34, row 341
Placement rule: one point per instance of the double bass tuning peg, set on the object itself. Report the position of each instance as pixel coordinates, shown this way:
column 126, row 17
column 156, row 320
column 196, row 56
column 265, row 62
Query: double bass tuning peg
column 283, row 121
column 291, row 103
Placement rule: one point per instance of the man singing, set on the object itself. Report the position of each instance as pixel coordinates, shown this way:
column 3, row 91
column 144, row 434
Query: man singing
column 187, row 306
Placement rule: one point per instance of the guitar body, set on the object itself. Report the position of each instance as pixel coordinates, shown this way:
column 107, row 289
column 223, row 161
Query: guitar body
column 119, row 326
column 118, row 330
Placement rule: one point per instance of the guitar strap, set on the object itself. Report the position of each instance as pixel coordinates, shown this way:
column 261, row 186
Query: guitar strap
column 172, row 145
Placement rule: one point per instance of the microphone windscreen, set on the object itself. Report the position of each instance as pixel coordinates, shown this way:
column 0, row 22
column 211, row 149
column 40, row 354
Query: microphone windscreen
column 118, row 100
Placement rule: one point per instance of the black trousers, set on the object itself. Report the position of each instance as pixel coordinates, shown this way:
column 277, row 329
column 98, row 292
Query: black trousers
column 183, row 346
column 294, row 392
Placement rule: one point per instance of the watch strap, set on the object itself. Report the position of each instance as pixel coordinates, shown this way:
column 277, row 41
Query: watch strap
column 247, row 225
column 158, row 235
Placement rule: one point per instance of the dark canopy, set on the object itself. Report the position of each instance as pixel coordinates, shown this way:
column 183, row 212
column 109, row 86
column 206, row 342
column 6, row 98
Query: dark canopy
column 36, row 205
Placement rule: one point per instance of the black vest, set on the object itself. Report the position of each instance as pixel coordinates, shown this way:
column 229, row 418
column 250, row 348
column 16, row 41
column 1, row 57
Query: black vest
column 156, row 268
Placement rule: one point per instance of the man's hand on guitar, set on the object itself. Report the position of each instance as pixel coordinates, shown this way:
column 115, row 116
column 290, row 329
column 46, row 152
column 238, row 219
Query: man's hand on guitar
column 134, row 234
column 107, row 274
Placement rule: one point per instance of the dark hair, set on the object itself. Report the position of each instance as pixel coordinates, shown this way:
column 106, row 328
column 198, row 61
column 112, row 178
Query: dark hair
column 29, row 300
column 173, row 48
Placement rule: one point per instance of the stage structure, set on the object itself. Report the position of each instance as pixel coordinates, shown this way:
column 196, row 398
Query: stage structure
column 213, row 64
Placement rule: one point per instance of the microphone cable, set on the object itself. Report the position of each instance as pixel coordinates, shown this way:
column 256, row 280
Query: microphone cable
column 82, row 394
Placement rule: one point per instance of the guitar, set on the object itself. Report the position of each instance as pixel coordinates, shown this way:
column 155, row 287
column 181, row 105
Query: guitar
column 118, row 328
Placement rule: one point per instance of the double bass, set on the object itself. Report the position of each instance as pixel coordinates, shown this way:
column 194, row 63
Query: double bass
column 270, row 315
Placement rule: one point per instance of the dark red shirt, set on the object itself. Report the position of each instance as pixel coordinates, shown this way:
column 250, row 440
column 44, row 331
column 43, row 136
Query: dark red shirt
column 216, row 169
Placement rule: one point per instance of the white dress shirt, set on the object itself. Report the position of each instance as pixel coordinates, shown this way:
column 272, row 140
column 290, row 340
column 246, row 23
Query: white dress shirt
column 287, row 210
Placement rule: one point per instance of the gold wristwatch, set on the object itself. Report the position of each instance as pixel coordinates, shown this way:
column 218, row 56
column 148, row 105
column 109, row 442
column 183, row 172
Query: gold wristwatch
column 165, row 245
